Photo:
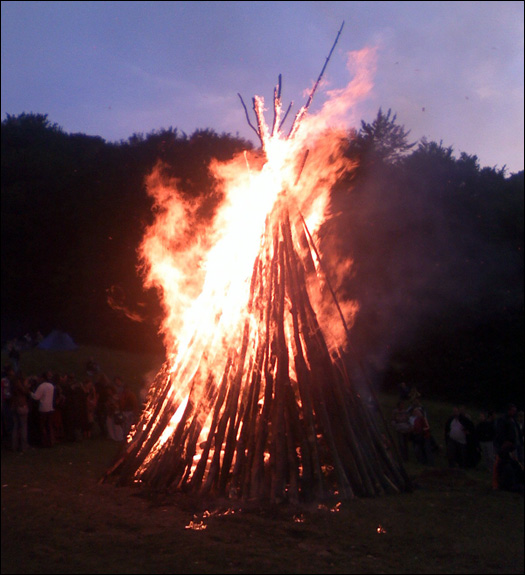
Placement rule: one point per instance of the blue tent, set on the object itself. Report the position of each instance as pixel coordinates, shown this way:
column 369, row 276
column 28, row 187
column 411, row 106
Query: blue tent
column 57, row 340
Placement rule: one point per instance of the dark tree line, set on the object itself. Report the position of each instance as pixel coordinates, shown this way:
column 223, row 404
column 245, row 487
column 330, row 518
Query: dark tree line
column 74, row 210
column 436, row 242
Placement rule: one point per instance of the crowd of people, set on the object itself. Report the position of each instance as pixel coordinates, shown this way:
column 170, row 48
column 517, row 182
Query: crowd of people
column 50, row 408
column 40, row 411
column 494, row 441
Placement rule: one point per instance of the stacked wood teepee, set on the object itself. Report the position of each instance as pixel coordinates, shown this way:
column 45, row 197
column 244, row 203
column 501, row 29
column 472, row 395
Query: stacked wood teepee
column 282, row 421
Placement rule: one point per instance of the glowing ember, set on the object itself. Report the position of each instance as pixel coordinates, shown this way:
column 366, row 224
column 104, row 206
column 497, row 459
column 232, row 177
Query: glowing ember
column 253, row 400
column 335, row 509
column 196, row 526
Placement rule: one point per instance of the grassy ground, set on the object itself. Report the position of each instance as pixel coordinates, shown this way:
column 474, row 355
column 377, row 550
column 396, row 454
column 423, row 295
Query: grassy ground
column 58, row 518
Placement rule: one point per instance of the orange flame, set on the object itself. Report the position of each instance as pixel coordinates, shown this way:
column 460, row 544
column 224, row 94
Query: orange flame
column 203, row 271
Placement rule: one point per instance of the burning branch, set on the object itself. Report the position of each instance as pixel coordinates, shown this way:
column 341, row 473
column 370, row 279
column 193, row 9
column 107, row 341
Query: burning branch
column 258, row 104
column 302, row 112
column 248, row 117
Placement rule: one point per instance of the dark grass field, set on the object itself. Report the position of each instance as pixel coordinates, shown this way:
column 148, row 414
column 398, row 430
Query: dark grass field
column 58, row 518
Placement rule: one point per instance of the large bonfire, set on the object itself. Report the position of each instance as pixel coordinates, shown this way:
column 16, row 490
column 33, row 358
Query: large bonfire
column 254, row 400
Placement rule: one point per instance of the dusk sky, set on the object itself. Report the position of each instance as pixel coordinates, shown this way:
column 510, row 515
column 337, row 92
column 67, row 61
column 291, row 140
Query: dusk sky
column 451, row 71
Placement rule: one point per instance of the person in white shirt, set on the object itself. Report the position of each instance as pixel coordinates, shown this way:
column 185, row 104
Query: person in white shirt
column 456, row 439
column 44, row 394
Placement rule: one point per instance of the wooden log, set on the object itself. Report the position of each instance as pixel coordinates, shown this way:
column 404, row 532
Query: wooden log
column 357, row 467
column 148, row 430
column 300, row 115
column 169, row 463
column 200, row 469
column 181, row 477
column 233, row 415
column 279, row 437
column 277, row 107
column 234, row 410
column 312, row 345
column 397, row 471
column 312, row 473
column 152, row 424
column 294, row 442
column 257, row 475
column 246, row 442
column 256, row 424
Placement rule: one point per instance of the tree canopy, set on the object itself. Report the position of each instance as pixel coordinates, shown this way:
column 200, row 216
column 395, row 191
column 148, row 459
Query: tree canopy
column 383, row 140
column 436, row 243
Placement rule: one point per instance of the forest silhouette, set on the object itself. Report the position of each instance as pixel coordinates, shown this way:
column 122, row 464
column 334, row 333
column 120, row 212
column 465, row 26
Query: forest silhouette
column 436, row 242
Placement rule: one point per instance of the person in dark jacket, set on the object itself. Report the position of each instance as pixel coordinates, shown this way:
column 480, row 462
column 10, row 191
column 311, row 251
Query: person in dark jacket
column 508, row 472
column 485, row 434
column 508, row 431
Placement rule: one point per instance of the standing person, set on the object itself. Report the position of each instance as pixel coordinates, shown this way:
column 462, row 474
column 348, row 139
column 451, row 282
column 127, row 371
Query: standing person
column 92, row 368
column 79, row 407
column 143, row 394
column 33, row 421
column 8, row 377
column 68, row 408
column 20, row 413
column 59, row 404
column 114, row 418
column 508, row 431
column 400, row 420
column 44, row 394
column 485, row 433
column 404, row 391
column 14, row 355
column 91, row 405
column 473, row 451
column 508, row 472
column 422, row 438
column 456, row 440
column 129, row 405
column 118, row 386
column 519, row 419
column 103, row 391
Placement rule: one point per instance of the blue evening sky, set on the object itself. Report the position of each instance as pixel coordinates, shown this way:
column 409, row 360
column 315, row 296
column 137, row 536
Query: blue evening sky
column 451, row 71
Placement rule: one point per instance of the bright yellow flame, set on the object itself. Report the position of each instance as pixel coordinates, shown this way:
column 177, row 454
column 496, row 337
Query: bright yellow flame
column 204, row 271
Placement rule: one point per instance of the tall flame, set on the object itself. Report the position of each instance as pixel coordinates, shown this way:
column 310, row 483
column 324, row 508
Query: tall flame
column 204, row 273
column 238, row 342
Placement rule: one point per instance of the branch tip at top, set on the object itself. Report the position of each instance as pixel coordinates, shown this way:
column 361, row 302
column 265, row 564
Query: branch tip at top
column 277, row 102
